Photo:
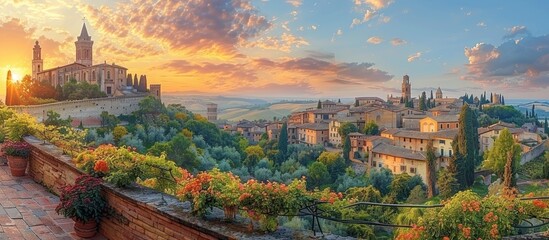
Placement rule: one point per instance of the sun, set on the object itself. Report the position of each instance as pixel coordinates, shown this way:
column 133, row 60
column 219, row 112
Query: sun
column 16, row 76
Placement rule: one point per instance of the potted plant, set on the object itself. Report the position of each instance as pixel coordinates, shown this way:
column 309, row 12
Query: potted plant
column 83, row 203
column 17, row 154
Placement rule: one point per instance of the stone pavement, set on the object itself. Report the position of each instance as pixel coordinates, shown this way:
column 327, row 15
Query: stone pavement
column 27, row 211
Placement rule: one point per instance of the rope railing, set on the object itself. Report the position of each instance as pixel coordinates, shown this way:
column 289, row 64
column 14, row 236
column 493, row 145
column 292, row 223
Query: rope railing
column 312, row 210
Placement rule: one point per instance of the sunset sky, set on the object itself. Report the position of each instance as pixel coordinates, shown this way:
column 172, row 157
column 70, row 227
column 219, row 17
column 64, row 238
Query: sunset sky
column 295, row 48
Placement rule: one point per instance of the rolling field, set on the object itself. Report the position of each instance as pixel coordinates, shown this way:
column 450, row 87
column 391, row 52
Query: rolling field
column 278, row 110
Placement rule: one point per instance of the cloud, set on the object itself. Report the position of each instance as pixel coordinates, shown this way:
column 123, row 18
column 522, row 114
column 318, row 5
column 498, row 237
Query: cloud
column 284, row 43
column 339, row 32
column 375, row 40
column 481, row 24
column 368, row 15
column 54, row 53
column 397, row 42
column 516, row 31
column 295, row 3
column 355, row 22
column 189, row 27
column 384, row 19
column 414, row 56
column 375, row 4
column 523, row 63
column 320, row 55
column 278, row 89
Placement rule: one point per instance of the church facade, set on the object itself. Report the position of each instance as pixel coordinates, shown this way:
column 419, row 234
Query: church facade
column 111, row 78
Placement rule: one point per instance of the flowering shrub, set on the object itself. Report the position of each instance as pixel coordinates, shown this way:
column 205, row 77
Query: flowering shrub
column 82, row 201
column 18, row 149
column 467, row 216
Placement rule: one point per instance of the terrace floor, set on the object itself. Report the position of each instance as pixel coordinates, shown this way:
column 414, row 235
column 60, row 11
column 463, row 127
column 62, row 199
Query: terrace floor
column 27, row 211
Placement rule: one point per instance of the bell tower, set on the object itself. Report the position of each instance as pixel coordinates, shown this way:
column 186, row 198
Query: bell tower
column 406, row 88
column 84, row 48
column 37, row 61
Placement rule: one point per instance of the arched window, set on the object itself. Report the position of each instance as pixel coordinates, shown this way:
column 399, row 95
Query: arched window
column 38, row 67
column 108, row 74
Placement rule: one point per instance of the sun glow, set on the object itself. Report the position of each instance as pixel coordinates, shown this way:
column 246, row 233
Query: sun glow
column 16, row 76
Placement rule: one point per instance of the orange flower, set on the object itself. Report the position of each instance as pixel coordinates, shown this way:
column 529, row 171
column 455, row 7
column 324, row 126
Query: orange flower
column 540, row 204
column 445, row 238
column 466, row 232
column 101, row 166
column 494, row 231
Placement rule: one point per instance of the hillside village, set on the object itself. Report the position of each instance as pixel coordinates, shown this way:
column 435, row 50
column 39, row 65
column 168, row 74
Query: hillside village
column 403, row 129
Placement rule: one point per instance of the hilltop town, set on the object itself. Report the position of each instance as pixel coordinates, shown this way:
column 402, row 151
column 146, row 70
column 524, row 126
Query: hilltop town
column 390, row 133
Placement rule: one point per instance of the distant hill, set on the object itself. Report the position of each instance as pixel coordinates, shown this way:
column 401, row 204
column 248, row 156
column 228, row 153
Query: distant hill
column 197, row 103
column 278, row 110
column 542, row 108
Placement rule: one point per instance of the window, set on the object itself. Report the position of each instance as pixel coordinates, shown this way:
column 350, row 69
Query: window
column 442, row 141
column 441, row 125
column 422, row 141
column 421, row 149
column 413, row 170
column 109, row 90
column 447, row 125
column 410, row 140
column 450, row 153
column 441, row 152
column 403, row 168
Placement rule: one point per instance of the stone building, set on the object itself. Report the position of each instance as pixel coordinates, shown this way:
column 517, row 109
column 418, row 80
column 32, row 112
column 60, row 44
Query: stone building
column 442, row 122
column 406, row 88
column 211, row 111
column 111, row 78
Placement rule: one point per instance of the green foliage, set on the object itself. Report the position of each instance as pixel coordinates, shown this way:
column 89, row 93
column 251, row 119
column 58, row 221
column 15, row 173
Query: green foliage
column 283, row 142
column 371, row 128
column 431, row 162
column 506, row 114
column 119, row 132
column 20, row 125
column 253, row 155
column 402, row 185
column 380, row 179
column 108, row 120
column 318, row 175
column 423, row 102
column 535, row 169
column 417, row 195
column 496, row 157
column 345, row 129
column 447, row 184
column 74, row 90
column 334, row 162
column 54, row 119
column 347, row 148
column 465, row 148
column 546, row 166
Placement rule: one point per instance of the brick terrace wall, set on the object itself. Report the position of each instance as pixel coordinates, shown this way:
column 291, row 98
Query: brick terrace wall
column 141, row 213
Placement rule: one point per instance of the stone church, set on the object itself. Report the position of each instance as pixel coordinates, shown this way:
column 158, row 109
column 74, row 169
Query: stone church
column 111, row 78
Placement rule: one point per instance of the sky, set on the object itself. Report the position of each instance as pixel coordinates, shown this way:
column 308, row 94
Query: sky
column 294, row 48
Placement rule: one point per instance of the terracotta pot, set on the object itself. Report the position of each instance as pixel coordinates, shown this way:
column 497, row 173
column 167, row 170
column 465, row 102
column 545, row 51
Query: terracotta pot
column 18, row 165
column 85, row 230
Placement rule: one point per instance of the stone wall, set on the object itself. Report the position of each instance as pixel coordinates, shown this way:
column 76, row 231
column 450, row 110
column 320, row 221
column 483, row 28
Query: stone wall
column 534, row 152
column 140, row 213
column 82, row 109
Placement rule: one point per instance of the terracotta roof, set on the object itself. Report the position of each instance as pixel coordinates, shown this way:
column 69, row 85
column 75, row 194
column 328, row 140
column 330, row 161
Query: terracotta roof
column 363, row 109
column 314, row 126
column 412, row 134
column 391, row 150
column 445, row 134
column 446, row 118
column 328, row 110
column 392, row 131
column 415, row 116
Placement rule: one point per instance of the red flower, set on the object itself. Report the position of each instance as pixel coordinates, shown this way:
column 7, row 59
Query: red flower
column 540, row 204
column 101, row 166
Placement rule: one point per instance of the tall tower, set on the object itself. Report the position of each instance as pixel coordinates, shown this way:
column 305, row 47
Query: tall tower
column 37, row 62
column 439, row 93
column 211, row 111
column 84, row 48
column 406, row 88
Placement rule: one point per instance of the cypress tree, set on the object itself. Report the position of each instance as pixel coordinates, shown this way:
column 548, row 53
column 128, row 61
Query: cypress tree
column 533, row 109
column 502, row 100
column 422, row 103
column 466, row 147
column 135, row 82
column 129, row 80
column 431, row 94
column 319, row 105
column 526, row 112
column 546, row 128
column 339, row 100
column 283, row 141
column 491, row 97
column 347, row 148
column 431, row 169
column 9, row 88
column 357, row 103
